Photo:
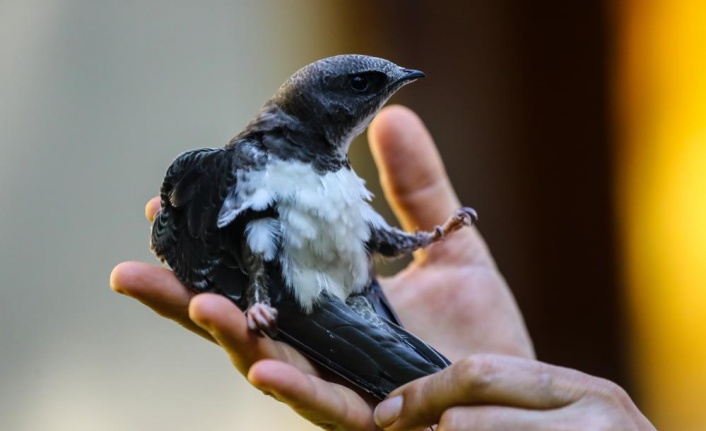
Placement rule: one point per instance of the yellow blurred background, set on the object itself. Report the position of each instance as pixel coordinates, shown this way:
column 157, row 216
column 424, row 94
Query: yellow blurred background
column 661, row 112
column 577, row 130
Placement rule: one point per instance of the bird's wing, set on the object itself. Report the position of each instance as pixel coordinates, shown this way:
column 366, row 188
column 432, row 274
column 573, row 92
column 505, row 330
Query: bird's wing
column 372, row 353
column 380, row 303
column 184, row 233
column 377, row 299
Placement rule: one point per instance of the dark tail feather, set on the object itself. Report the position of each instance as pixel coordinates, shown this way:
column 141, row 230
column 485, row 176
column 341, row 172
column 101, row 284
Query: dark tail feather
column 377, row 357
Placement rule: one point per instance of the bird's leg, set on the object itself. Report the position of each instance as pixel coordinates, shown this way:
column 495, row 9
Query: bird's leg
column 391, row 242
column 462, row 217
column 261, row 317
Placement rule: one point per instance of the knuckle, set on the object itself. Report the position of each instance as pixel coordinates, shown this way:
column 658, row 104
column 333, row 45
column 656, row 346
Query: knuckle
column 599, row 404
column 609, row 392
column 477, row 371
column 547, row 391
column 552, row 393
column 617, row 405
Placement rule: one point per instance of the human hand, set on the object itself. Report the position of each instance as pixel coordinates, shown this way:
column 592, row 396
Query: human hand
column 451, row 295
column 486, row 392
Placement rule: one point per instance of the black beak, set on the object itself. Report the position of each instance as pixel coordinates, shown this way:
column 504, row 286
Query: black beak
column 411, row 74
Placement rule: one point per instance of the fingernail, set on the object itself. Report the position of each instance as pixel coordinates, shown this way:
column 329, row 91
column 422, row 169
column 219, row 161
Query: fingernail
column 387, row 411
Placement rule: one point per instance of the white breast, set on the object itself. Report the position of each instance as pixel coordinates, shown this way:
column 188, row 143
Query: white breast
column 324, row 223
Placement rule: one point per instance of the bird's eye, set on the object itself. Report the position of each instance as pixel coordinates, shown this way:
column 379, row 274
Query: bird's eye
column 359, row 83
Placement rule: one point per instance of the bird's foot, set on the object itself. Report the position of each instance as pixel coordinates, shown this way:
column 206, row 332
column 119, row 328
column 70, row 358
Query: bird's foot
column 462, row 217
column 262, row 319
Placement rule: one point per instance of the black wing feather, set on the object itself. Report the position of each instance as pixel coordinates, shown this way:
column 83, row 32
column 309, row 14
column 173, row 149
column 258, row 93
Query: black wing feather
column 380, row 303
column 184, row 233
column 376, row 356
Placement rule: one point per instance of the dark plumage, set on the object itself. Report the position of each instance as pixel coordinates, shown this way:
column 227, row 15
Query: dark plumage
column 278, row 222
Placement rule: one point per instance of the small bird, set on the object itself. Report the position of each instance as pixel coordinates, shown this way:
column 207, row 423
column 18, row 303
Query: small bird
column 278, row 221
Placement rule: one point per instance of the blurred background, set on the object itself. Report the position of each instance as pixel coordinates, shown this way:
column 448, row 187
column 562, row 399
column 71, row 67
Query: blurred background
column 576, row 129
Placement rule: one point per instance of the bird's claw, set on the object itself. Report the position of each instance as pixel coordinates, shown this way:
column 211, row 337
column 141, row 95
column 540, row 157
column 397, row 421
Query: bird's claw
column 462, row 217
column 439, row 232
column 262, row 319
column 468, row 216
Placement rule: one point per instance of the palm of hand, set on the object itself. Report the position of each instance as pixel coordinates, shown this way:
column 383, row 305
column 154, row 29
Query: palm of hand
column 455, row 299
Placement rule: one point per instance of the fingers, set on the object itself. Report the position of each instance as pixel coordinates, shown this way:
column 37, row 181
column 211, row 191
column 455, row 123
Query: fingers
column 411, row 171
column 330, row 406
column 152, row 208
column 493, row 392
column 228, row 326
column 493, row 418
column 479, row 380
column 157, row 288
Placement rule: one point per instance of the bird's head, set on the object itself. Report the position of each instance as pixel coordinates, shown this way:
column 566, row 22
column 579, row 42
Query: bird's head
column 338, row 96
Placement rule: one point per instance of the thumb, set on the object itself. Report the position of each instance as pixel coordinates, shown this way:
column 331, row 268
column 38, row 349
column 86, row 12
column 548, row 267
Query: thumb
column 415, row 184
column 411, row 171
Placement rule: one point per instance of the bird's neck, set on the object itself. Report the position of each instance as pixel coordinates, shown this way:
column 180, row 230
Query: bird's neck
column 288, row 137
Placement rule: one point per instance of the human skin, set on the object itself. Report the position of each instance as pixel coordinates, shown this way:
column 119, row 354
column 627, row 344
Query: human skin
column 451, row 295
column 485, row 392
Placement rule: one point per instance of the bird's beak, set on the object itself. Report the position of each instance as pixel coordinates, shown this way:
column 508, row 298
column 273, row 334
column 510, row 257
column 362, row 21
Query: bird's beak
column 411, row 75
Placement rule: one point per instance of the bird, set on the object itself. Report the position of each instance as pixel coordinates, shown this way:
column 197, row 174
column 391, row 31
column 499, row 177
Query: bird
column 278, row 221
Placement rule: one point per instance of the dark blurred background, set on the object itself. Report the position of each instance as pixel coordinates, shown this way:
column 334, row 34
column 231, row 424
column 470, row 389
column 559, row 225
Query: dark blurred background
column 517, row 98
column 576, row 129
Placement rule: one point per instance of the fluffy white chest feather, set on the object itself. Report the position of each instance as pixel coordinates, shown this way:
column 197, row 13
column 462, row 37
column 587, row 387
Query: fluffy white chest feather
column 323, row 225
